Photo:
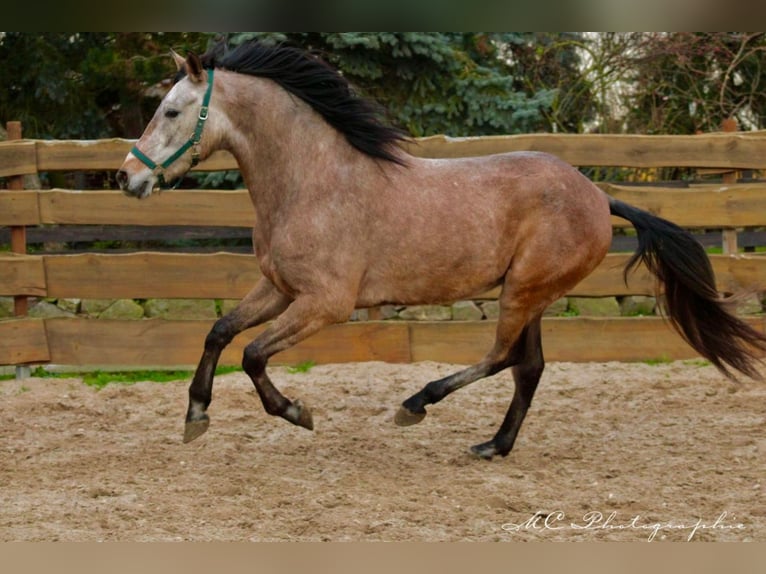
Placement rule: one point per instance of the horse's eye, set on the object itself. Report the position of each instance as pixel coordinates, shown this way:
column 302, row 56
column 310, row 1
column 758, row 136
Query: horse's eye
column 171, row 113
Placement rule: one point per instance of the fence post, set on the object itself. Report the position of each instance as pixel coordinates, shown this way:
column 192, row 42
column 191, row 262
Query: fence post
column 729, row 236
column 18, row 240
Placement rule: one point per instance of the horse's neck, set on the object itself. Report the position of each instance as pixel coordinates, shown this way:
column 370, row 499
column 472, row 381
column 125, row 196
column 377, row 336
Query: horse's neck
column 285, row 150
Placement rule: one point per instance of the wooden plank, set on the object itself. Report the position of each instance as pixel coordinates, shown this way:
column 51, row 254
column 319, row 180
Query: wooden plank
column 231, row 276
column 460, row 342
column 729, row 241
column 106, row 154
column 146, row 274
column 734, row 274
column 733, row 205
column 19, row 208
column 739, row 273
column 73, row 155
column 220, row 207
column 22, row 275
column 617, row 339
column 740, row 205
column 156, row 342
column 564, row 339
column 607, row 280
column 720, row 150
column 23, row 341
column 17, row 158
column 165, row 343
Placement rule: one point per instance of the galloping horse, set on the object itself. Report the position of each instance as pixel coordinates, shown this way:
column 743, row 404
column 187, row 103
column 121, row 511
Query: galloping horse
column 329, row 183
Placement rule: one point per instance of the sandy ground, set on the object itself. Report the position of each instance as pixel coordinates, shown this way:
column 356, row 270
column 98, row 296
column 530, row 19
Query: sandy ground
column 628, row 452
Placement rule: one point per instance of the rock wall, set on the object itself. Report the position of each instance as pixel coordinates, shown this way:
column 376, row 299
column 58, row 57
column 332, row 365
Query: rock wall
column 475, row 310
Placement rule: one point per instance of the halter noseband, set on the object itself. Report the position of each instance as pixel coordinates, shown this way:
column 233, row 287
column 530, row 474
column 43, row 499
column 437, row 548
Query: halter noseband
column 192, row 142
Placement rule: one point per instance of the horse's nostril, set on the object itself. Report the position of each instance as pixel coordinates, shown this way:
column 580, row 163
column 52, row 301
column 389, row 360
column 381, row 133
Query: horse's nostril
column 122, row 179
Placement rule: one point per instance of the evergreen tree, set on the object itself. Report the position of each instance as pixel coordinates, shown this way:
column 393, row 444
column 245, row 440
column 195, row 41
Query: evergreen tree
column 458, row 83
column 84, row 85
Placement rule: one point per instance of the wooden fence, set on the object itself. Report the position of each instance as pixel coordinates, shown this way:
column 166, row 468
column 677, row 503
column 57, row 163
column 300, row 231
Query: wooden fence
column 728, row 206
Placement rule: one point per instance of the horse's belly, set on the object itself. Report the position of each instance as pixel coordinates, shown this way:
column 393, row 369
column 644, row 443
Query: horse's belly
column 418, row 285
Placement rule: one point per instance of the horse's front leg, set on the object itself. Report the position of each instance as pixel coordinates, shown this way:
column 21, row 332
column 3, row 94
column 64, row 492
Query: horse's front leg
column 261, row 304
column 304, row 317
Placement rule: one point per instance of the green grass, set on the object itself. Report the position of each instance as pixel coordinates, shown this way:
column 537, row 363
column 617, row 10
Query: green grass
column 658, row 361
column 569, row 313
column 697, row 363
column 303, row 367
column 666, row 360
column 99, row 379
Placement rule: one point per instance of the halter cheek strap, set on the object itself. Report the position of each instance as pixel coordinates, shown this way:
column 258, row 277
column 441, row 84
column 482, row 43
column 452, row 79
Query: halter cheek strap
column 192, row 142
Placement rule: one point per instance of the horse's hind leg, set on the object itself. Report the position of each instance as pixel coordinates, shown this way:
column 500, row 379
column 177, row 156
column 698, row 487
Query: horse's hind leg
column 262, row 303
column 526, row 375
column 413, row 410
column 508, row 350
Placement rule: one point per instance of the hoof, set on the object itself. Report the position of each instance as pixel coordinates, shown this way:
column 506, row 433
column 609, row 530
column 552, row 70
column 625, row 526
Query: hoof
column 405, row 417
column 485, row 450
column 195, row 429
column 299, row 414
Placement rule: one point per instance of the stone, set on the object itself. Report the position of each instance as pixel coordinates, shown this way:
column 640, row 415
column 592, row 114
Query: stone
column 46, row 310
column 388, row 312
column 181, row 308
column 360, row 315
column 594, row 306
column 123, row 309
column 6, row 307
column 466, row 311
column 94, row 307
column 71, row 305
column 637, row 305
column 557, row 308
column 32, row 181
column 749, row 305
column 426, row 313
column 227, row 306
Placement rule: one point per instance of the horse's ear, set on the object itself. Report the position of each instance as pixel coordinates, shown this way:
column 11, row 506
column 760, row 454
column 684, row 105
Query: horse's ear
column 194, row 68
column 180, row 62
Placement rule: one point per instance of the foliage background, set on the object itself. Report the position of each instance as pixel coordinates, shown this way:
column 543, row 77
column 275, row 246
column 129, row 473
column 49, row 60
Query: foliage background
column 94, row 85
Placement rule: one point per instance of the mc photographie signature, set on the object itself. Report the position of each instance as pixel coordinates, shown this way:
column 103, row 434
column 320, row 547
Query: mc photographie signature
column 594, row 520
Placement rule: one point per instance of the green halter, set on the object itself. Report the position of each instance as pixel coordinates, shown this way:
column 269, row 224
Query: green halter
column 192, row 142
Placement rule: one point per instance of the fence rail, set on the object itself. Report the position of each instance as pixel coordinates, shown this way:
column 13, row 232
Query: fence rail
column 696, row 206
column 726, row 206
column 738, row 150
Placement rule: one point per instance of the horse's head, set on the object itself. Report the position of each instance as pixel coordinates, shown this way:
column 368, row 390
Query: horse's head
column 169, row 146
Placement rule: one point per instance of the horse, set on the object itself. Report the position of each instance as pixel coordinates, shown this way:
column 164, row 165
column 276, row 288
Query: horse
column 346, row 219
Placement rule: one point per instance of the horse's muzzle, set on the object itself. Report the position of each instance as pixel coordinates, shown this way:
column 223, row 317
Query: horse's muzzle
column 122, row 179
column 139, row 191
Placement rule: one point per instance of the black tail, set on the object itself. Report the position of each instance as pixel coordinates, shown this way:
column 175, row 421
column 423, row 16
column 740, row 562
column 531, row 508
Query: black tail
column 691, row 302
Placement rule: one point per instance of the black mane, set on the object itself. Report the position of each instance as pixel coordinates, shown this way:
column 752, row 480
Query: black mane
column 319, row 85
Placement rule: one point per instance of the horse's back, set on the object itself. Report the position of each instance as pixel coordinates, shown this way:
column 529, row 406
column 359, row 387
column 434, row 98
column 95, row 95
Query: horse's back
column 522, row 194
